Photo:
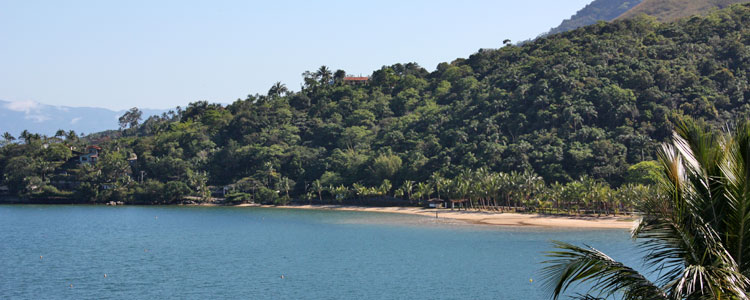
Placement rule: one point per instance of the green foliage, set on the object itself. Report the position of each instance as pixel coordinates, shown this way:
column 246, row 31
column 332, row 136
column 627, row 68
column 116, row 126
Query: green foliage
column 589, row 103
column 694, row 230
column 267, row 196
column 236, row 198
column 645, row 172
column 331, row 179
column 174, row 191
column 386, row 166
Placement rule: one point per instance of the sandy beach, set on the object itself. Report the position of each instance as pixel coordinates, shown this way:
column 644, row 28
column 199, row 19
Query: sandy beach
column 488, row 218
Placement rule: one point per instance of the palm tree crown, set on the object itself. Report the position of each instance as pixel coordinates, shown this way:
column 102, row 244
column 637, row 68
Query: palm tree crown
column 695, row 230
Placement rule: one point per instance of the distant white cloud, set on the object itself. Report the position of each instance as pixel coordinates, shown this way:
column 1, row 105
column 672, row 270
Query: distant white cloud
column 24, row 106
column 32, row 110
column 75, row 120
column 37, row 118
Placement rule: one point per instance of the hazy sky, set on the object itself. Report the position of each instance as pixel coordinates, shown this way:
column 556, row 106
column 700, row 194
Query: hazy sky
column 160, row 54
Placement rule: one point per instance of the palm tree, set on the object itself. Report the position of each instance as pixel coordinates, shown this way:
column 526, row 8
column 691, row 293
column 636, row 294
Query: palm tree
column 310, row 196
column 59, row 133
column 324, row 74
column 44, row 167
column 461, row 189
column 198, row 181
column 318, row 187
column 407, row 189
column 8, row 137
column 696, row 232
column 72, row 136
column 424, row 189
column 26, row 136
column 398, row 193
column 438, row 182
column 385, row 187
column 340, row 193
column 285, row 184
column 556, row 191
column 360, row 190
column 418, row 194
column 530, row 185
column 277, row 89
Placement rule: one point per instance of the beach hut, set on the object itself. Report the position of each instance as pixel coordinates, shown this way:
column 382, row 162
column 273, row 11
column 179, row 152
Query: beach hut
column 436, row 203
column 461, row 203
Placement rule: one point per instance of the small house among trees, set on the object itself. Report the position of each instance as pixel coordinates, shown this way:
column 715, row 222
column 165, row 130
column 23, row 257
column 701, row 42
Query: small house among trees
column 91, row 155
column 356, row 80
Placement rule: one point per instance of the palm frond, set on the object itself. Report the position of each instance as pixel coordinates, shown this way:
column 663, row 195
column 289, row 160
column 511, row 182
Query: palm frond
column 695, row 232
column 577, row 265
column 736, row 171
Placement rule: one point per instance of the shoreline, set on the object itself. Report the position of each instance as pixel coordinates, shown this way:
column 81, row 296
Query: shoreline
column 471, row 217
column 483, row 218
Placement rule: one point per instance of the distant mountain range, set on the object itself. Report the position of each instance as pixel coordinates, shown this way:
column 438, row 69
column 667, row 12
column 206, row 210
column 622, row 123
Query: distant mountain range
column 46, row 119
column 663, row 10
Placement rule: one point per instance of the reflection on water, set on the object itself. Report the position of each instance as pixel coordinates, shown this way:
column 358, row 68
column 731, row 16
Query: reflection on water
column 213, row 252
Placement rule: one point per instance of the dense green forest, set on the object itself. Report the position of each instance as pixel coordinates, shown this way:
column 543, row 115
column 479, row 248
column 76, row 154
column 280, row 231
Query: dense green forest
column 583, row 106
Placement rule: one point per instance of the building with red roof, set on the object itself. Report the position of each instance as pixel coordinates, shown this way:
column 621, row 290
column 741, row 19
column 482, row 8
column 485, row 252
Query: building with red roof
column 356, row 80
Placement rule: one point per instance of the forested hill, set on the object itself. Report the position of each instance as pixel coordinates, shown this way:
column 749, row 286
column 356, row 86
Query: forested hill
column 593, row 101
column 598, row 10
column 662, row 10
column 670, row 10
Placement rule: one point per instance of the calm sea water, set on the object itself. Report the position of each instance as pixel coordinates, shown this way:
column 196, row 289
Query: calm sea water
column 213, row 252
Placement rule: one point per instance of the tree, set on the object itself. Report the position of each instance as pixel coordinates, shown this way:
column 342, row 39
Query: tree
column 71, row 137
column 385, row 166
column 360, row 190
column 16, row 169
column 407, row 188
column 59, row 133
column 324, row 74
column 26, row 136
column 131, row 118
column 44, row 167
column 385, row 187
column 8, row 138
column 285, row 184
column 645, row 172
column 338, row 76
column 696, row 234
column 198, row 182
column 424, row 190
column 340, row 193
column 277, row 89
column 438, row 182
column 318, row 188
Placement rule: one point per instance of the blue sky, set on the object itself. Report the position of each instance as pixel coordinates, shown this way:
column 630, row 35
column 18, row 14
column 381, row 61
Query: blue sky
column 160, row 54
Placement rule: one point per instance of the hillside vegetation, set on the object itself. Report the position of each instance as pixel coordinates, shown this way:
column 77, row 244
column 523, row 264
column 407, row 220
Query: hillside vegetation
column 598, row 10
column 670, row 10
column 587, row 103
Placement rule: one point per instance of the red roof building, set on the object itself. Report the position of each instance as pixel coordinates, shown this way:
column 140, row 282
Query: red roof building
column 356, row 80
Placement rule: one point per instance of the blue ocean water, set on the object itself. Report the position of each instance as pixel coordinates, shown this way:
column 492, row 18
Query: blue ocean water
column 64, row 252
